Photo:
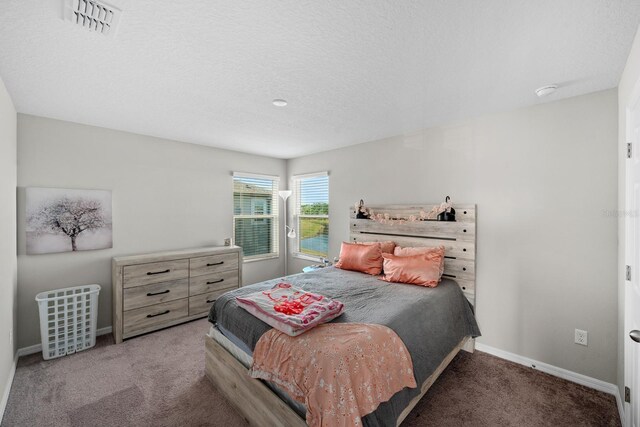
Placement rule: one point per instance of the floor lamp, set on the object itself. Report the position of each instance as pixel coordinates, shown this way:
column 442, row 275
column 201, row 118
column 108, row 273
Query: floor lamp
column 289, row 232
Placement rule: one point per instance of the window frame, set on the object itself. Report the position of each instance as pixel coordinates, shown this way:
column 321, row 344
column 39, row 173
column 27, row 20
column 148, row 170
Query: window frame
column 296, row 179
column 274, row 215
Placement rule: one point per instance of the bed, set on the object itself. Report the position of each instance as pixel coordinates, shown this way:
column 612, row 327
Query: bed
column 433, row 323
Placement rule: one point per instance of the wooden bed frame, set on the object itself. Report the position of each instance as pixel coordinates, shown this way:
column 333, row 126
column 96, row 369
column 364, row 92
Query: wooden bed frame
column 260, row 406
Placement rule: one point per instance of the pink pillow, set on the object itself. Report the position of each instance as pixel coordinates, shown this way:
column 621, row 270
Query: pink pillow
column 409, row 251
column 386, row 247
column 364, row 258
column 422, row 269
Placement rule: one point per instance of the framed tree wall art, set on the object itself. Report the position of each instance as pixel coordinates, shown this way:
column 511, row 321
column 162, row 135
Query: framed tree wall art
column 67, row 220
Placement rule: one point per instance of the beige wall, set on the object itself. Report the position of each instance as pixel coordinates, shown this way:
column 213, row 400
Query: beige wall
column 543, row 179
column 166, row 195
column 8, row 267
column 630, row 77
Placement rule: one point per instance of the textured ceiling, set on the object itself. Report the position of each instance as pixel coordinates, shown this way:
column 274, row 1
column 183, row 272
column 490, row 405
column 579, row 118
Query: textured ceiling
column 206, row 71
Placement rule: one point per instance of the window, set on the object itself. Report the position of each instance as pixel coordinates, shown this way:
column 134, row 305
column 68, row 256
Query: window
column 255, row 215
column 312, row 214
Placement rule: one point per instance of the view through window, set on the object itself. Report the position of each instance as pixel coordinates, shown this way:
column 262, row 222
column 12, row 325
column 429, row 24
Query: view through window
column 255, row 215
column 312, row 212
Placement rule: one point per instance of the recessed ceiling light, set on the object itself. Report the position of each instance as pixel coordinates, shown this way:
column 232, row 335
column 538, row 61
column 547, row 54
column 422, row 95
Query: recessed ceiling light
column 546, row 90
column 279, row 102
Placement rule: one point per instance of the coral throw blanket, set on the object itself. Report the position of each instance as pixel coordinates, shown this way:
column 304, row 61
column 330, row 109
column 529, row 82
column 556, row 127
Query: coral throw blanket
column 340, row 371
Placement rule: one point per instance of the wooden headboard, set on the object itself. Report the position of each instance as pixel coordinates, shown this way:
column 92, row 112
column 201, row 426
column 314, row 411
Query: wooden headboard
column 458, row 238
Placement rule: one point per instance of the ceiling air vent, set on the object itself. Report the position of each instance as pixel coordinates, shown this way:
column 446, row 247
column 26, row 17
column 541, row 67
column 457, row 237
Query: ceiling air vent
column 92, row 15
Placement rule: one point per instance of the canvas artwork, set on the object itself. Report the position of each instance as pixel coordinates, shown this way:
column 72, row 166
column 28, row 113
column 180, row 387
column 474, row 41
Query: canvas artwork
column 67, row 220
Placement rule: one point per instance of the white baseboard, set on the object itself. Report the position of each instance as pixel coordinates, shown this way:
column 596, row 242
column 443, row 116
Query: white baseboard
column 37, row 348
column 7, row 387
column 558, row 372
column 620, row 402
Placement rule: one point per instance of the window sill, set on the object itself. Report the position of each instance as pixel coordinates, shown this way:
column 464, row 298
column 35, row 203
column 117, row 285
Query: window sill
column 307, row 257
column 262, row 258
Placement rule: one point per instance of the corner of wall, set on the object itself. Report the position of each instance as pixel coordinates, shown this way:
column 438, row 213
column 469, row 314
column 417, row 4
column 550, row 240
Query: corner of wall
column 8, row 257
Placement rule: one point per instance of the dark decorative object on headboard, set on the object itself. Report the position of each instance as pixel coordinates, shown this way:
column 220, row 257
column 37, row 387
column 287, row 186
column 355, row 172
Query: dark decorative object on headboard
column 361, row 211
column 448, row 214
column 442, row 212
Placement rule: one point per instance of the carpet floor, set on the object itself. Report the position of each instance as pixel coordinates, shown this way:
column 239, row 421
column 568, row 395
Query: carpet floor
column 158, row 380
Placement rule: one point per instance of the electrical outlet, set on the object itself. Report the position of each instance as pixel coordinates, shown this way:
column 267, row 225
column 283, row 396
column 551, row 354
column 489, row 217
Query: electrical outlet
column 227, row 241
column 581, row 337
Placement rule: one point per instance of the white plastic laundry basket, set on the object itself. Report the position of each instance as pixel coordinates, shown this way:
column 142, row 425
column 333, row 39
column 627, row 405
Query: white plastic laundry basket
column 68, row 319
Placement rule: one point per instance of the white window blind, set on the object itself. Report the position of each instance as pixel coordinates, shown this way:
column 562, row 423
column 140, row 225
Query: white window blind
column 312, row 214
column 255, row 215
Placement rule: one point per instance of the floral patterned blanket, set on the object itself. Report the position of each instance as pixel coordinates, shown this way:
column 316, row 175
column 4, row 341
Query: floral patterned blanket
column 340, row 371
column 290, row 310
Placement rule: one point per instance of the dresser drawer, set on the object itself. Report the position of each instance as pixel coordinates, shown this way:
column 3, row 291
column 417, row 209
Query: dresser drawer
column 200, row 304
column 213, row 264
column 155, row 272
column 142, row 296
column 154, row 315
column 213, row 282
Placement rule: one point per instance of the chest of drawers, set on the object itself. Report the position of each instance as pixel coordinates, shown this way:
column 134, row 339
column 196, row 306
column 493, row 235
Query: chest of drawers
column 157, row 290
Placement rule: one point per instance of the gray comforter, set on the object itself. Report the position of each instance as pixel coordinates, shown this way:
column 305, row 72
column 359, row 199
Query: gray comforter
column 430, row 321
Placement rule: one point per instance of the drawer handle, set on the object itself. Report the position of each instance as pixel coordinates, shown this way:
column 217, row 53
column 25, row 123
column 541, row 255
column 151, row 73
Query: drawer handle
column 151, row 273
column 209, row 301
column 150, row 294
column 159, row 314
column 215, row 281
column 215, row 263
